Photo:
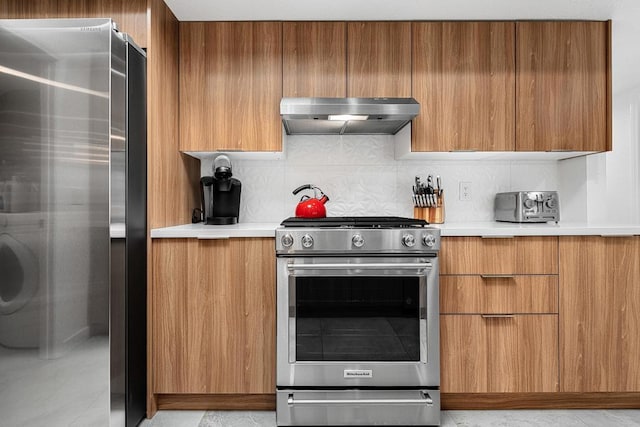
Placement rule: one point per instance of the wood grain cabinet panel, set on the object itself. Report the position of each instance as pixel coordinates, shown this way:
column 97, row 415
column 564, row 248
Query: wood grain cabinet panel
column 563, row 86
column 379, row 59
column 495, row 295
column 518, row 255
column 499, row 355
column 230, row 86
column 213, row 316
column 315, row 59
column 600, row 314
column 463, row 76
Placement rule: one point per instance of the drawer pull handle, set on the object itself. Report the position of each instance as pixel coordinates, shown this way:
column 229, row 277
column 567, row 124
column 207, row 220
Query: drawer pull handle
column 497, row 276
column 424, row 400
column 497, row 236
column 497, row 316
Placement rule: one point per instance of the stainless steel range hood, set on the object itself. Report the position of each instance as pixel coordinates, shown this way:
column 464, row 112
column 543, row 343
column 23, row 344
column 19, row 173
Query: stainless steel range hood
column 347, row 116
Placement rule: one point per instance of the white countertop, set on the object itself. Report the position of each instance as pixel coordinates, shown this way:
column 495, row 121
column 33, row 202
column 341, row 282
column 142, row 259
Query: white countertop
column 486, row 229
column 202, row 231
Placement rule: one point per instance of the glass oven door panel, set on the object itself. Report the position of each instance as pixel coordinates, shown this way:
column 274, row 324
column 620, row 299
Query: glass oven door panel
column 357, row 318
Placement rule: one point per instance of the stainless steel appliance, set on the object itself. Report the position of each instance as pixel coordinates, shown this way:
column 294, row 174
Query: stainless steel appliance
column 72, row 224
column 357, row 322
column 527, row 206
column 347, row 116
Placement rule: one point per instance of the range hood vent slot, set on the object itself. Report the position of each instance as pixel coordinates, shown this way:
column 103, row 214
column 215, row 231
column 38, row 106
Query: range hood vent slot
column 347, row 116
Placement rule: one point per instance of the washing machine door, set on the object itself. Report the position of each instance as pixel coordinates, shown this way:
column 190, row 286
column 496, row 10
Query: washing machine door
column 20, row 275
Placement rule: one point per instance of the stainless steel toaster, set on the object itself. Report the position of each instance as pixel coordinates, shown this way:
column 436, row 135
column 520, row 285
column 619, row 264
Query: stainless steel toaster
column 527, row 206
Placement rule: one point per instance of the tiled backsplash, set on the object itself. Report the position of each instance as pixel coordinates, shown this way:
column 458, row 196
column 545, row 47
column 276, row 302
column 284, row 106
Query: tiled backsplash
column 361, row 177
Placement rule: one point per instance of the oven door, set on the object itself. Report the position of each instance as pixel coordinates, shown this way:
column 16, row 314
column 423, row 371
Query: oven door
column 358, row 322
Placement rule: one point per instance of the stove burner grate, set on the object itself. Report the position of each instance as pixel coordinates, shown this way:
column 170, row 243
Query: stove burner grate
column 356, row 222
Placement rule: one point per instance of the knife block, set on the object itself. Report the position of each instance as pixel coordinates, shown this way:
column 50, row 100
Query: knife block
column 433, row 215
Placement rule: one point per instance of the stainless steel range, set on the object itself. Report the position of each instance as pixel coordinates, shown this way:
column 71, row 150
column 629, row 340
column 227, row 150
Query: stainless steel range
column 357, row 322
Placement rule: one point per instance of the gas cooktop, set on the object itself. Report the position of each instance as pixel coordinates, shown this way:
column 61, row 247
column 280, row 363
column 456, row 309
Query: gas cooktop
column 356, row 222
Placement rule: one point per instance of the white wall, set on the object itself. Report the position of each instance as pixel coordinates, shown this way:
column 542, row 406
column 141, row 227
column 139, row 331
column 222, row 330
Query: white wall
column 361, row 177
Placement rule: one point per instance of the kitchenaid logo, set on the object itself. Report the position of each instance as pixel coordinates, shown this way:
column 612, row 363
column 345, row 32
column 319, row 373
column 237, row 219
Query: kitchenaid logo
column 91, row 29
column 358, row 373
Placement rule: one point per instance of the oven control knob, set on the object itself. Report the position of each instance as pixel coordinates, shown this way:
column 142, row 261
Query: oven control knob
column 357, row 240
column 307, row 241
column 552, row 203
column 408, row 240
column 429, row 240
column 287, row 240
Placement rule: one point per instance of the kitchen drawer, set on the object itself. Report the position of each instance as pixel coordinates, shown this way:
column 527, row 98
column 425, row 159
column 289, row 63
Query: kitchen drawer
column 516, row 255
column 517, row 354
column 494, row 295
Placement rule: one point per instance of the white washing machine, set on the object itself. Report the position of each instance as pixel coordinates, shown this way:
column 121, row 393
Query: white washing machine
column 20, row 246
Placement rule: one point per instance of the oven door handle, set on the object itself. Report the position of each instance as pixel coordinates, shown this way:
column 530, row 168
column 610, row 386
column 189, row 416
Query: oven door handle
column 374, row 266
column 424, row 400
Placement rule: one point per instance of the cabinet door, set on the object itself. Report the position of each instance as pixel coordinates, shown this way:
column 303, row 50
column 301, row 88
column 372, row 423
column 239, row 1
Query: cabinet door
column 600, row 314
column 379, row 59
column 230, row 86
column 498, row 295
column 213, row 316
column 464, row 79
column 315, row 60
column 562, row 86
column 516, row 354
column 518, row 255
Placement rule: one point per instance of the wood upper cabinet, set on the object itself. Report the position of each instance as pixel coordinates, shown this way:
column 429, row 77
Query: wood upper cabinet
column 314, row 59
column 499, row 354
column 212, row 311
column 230, row 86
column 600, row 314
column 464, row 79
column 563, row 94
column 379, row 59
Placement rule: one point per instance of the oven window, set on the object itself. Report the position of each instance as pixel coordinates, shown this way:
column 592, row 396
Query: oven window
column 357, row 319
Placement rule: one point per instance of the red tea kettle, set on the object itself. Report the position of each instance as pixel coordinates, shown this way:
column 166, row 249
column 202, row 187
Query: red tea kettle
column 311, row 207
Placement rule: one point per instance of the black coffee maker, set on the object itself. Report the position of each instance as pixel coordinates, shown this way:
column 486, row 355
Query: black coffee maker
column 220, row 194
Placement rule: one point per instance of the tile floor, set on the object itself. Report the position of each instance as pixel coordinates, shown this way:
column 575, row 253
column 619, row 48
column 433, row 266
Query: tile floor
column 520, row 418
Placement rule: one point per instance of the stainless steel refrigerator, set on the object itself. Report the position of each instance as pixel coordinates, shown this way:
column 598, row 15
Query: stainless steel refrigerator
column 72, row 224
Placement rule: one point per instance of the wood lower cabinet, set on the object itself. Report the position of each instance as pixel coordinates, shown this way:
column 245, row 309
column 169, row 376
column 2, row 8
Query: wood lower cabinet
column 499, row 315
column 517, row 255
column 600, row 314
column 463, row 76
column 212, row 314
column 563, row 86
column 496, row 295
column 230, row 86
column 499, row 354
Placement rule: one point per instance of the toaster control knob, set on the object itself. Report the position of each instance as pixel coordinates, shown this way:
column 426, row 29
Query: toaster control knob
column 287, row 240
column 408, row 240
column 357, row 240
column 551, row 203
column 307, row 241
column 429, row 240
column 529, row 203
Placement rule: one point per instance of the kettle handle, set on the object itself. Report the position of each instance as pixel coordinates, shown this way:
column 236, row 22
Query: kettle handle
column 303, row 187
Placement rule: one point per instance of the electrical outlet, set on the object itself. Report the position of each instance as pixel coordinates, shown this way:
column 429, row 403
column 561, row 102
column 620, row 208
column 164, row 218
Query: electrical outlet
column 464, row 193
